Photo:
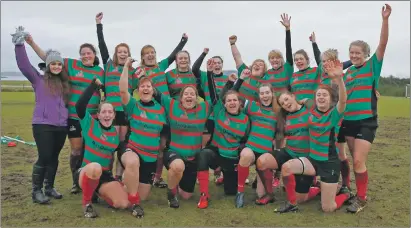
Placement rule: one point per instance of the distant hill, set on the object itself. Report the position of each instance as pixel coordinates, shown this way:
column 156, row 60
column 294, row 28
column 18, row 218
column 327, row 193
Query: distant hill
column 11, row 74
column 228, row 72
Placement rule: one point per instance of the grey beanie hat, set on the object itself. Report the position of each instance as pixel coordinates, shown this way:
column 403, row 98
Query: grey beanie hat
column 52, row 55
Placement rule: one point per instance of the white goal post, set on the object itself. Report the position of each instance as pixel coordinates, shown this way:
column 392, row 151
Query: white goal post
column 408, row 90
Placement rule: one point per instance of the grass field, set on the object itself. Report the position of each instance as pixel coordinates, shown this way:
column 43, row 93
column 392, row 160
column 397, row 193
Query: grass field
column 389, row 185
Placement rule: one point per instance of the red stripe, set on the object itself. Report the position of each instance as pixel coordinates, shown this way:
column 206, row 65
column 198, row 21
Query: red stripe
column 186, row 147
column 220, row 135
column 318, row 142
column 263, row 126
column 186, row 133
column 97, row 153
column 318, row 153
column 224, row 148
column 260, row 146
column 88, row 162
column 261, row 136
column 112, row 84
column 148, row 134
column 139, row 118
column 238, row 132
column 298, row 150
column 358, row 100
column 138, row 145
column 95, row 138
column 353, row 113
column 74, row 65
column 113, row 94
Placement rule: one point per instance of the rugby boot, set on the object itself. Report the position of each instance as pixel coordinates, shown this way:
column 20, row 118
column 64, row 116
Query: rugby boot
column 357, row 205
column 288, row 207
column 172, row 199
column 89, row 211
column 219, row 179
column 37, row 184
column 137, row 211
column 264, row 200
column 239, row 200
column 159, row 183
column 203, row 202
column 49, row 189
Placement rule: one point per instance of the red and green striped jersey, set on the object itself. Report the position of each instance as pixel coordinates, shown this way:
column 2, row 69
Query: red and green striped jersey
column 249, row 88
column 112, row 79
column 157, row 76
column 279, row 79
column 186, row 126
column 80, row 77
column 263, row 122
column 99, row 143
column 229, row 131
column 177, row 81
column 360, row 84
column 146, row 123
column 304, row 83
column 323, row 135
column 297, row 133
column 219, row 82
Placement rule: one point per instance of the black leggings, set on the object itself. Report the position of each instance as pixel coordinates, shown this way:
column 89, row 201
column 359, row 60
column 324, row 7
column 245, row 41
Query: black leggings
column 50, row 140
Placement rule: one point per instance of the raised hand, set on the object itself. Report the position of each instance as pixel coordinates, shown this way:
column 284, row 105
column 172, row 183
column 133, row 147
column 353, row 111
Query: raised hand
column 140, row 72
column 129, row 61
column 386, row 11
column 210, row 65
column 312, row 37
column 206, row 50
column 185, row 36
column 98, row 82
column 285, row 20
column 19, row 36
column 245, row 74
column 334, row 69
column 29, row 39
column 232, row 77
column 233, row 39
column 99, row 17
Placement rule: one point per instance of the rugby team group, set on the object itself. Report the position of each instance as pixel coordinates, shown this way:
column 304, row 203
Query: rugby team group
column 289, row 123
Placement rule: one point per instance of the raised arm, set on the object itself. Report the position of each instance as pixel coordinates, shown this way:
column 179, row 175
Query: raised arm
column 317, row 52
column 179, row 47
column 198, row 62
column 123, row 83
column 244, row 75
column 36, row 48
column 105, row 56
column 81, row 104
column 347, row 64
column 229, row 85
column 335, row 72
column 236, row 53
column 286, row 22
column 386, row 12
column 24, row 64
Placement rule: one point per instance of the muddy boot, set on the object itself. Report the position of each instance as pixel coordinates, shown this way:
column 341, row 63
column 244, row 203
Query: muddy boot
column 49, row 189
column 37, row 184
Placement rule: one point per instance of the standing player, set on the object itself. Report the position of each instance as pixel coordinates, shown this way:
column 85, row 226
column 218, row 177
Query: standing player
column 156, row 72
column 49, row 129
column 360, row 119
column 112, row 72
column 101, row 140
column 81, row 73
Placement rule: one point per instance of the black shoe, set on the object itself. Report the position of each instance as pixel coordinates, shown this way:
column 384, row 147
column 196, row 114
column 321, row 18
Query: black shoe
column 172, row 199
column 89, row 211
column 159, row 183
column 137, row 211
column 357, row 205
column 37, row 184
column 287, row 208
column 239, row 200
column 75, row 189
column 95, row 198
column 49, row 189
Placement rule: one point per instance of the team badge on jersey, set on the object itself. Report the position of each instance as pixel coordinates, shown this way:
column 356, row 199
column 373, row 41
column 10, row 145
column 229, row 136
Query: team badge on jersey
column 178, row 81
column 227, row 121
column 287, row 123
column 103, row 137
column 80, row 74
column 184, row 116
column 143, row 114
column 349, row 77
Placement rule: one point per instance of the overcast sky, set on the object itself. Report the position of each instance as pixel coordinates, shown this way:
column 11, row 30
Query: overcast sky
column 66, row 25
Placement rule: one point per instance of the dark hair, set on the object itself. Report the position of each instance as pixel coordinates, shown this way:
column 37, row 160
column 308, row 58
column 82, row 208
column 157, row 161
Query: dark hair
column 303, row 53
column 218, row 57
column 93, row 49
column 58, row 84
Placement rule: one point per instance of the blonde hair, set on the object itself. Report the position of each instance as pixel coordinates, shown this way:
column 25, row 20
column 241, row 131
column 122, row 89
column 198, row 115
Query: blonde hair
column 259, row 60
column 143, row 51
column 363, row 45
column 329, row 54
column 276, row 53
column 189, row 60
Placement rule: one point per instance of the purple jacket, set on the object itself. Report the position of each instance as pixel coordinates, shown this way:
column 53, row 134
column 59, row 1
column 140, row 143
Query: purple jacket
column 49, row 109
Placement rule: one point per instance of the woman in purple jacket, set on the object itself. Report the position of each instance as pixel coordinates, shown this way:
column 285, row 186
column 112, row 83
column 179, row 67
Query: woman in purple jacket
column 49, row 117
